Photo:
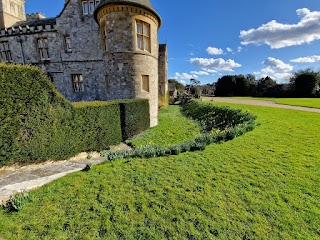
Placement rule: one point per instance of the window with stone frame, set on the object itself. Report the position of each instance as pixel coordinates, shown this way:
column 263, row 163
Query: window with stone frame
column 145, row 83
column 143, row 36
column 67, row 41
column 77, row 82
column 42, row 44
column 5, row 52
column 89, row 6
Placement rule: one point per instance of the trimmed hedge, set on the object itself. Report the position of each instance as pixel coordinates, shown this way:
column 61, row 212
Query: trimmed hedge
column 34, row 117
column 220, row 124
column 211, row 117
column 38, row 123
column 132, row 123
column 99, row 125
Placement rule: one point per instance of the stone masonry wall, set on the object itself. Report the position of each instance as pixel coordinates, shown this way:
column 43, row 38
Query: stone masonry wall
column 163, row 70
column 109, row 73
column 125, row 62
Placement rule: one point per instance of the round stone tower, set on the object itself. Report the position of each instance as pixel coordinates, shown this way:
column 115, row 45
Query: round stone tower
column 129, row 37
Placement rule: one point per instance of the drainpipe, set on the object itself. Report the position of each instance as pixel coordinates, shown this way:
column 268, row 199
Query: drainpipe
column 19, row 40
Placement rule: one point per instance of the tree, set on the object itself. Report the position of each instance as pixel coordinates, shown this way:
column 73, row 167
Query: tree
column 305, row 83
column 225, row 86
column 196, row 89
column 265, row 87
column 237, row 85
column 253, row 84
column 194, row 82
column 242, row 86
column 179, row 86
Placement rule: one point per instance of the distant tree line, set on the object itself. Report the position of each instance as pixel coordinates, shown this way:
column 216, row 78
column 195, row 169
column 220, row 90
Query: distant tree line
column 305, row 83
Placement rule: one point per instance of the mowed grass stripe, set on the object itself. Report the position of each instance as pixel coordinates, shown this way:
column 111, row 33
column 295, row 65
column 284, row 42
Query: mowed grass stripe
column 262, row 185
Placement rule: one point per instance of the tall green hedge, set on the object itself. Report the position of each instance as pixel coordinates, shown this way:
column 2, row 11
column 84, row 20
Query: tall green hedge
column 34, row 117
column 99, row 125
column 38, row 123
column 133, row 123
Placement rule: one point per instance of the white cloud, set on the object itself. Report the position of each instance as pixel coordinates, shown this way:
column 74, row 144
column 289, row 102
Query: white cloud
column 239, row 49
column 215, row 64
column 201, row 73
column 282, row 77
column 211, row 70
column 310, row 59
column 214, row 51
column 184, row 76
column 276, row 69
column 229, row 49
column 274, row 65
column 279, row 35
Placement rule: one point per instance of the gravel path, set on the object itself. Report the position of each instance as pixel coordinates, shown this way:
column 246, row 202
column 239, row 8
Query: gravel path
column 259, row 103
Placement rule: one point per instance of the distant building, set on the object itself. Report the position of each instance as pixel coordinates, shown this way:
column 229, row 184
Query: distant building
column 93, row 50
column 173, row 92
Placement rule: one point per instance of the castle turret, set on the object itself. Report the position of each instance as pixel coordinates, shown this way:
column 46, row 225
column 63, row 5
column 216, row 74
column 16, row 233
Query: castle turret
column 11, row 12
column 129, row 37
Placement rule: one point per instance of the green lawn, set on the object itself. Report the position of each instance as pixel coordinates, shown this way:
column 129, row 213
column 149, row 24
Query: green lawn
column 302, row 102
column 173, row 128
column 262, row 185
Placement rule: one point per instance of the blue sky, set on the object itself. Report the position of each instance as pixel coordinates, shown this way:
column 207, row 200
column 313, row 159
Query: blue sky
column 209, row 38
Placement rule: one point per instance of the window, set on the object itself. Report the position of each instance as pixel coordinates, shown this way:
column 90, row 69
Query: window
column 145, row 83
column 143, row 36
column 67, row 41
column 89, row 6
column 77, row 83
column 104, row 36
column 106, row 81
column 5, row 52
column 43, row 48
column 85, row 8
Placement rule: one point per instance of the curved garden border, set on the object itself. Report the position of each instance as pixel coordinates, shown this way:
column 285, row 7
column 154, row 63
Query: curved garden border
column 219, row 124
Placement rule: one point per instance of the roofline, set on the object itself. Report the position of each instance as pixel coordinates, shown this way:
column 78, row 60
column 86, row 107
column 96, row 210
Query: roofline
column 128, row 3
column 64, row 7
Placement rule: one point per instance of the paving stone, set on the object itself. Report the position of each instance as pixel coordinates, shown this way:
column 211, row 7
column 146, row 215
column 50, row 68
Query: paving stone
column 17, row 179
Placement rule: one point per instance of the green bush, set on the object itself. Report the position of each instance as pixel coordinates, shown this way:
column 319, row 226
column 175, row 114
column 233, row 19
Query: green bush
column 37, row 123
column 211, row 117
column 18, row 201
column 33, row 116
column 132, row 123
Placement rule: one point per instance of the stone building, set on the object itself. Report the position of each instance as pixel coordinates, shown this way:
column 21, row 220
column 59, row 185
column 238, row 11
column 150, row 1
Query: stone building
column 93, row 50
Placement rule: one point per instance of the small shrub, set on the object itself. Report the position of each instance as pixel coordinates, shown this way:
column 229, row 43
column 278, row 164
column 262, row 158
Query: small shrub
column 176, row 149
column 18, row 201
